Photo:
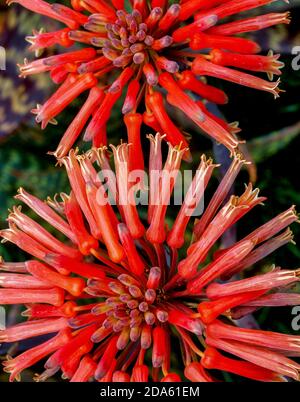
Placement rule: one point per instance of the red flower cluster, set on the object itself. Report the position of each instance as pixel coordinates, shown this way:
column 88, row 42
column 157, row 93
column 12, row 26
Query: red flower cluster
column 117, row 288
column 152, row 47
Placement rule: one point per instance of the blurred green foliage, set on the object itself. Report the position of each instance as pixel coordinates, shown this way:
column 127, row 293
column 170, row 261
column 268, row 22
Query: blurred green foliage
column 270, row 127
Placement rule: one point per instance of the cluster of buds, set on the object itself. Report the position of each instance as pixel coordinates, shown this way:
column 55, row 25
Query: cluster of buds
column 115, row 294
column 156, row 52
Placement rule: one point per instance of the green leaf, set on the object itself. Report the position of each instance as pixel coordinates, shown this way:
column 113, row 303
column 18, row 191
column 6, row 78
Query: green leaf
column 268, row 145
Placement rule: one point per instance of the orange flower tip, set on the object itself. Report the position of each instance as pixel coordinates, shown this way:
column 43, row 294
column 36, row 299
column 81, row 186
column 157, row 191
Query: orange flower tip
column 162, row 316
column 135, row 262
column 86, row 246
column 150, row 296
column 212, row 359
column 74, row 286
column 154, row 278
column 171, row 377
column 135, row 291
column 105, row 361
column 159, row 351
column 150, row 74
column 187, row 156
column 195, row 372
column 131, row 96
column 120, row 376
column 186, row 32
column 146, row 337
column 157, row 362
column 185, row 271
column 167, row 65
column 264, row 282
column 149, row 318
column 140, row 374
column 67, row 310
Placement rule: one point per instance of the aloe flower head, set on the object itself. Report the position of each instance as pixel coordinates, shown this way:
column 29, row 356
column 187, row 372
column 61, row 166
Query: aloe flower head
column 118, row 290
column 157, row 54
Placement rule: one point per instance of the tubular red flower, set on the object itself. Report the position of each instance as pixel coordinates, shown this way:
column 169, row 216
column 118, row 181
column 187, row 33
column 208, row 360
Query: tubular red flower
column 159, row 346
column 240, row 45
column 18, row 281
column 227, row 8
column 140, row 374
column 45, row 212
column 131, row 96
column 78, row 186
column 102, row 115
column 271, row 340
column 210, row 310
column 187, row 80
column 80, row 268
column 70, row 364
column 120, row 376
column 74, row 286
column 62, row 355
column 85, row 370
column 44, row 8
column 133, row 122
column 187, row 32
column 26, row 359
column 262, row 282
column 190, row 6
column 17, row 267
column 54, row 296
column 155, row 167
column 251, row 24
column 108, row 355
column 235, row 208
column 126, row 199
column 64, row 97
column 220, row 195
column 183, row 102
column 260, row 356
column 73, row 213
column 101, row 212
column 170, row 17
column 276, row 299
column 260, row 252
column 268, row 64
column 38, row 233
column 41, row 40
column 171, row 377
column 67, row 310
column 270, row 300
column 195, row 372
column 220, row 265
column 156, row 232
column 173, row 134
column 94, row 99
column 212, row 359
column 183, row 320
column 204, row 67
column 192, row 199
column 274, row 226
column 126, row 49
column 33, row 328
